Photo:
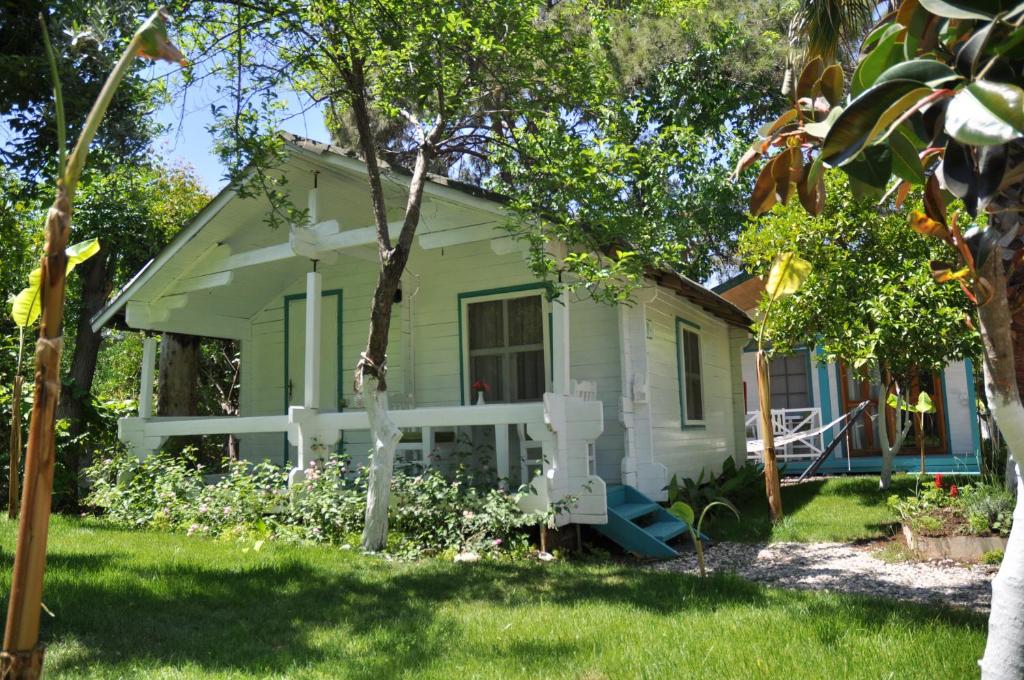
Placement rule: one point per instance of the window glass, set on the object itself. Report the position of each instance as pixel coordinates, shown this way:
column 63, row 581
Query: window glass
column 693, row 392
column 790, row 384
column 506, row 348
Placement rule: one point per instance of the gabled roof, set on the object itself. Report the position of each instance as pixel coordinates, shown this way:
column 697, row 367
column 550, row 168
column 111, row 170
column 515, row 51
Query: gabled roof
column 479, row 198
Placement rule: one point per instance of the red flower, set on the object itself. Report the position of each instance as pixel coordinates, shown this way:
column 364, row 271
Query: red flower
column 481, row 386
column 938, row 481
column 953, row 491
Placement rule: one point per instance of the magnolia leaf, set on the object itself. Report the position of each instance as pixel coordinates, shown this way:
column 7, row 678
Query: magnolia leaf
column 809, row 76
column 683, row 512
column 926, row 226
column 858, row 124
column 906, row 163
column 986, row 113
column 26, row 306
column 820, row 130
column 965, row 9
column 878, row 60
column 934, row 200
column 155, row 43
column 831, row 84
column 925, row 71
column 812, row 194
column 788, row 273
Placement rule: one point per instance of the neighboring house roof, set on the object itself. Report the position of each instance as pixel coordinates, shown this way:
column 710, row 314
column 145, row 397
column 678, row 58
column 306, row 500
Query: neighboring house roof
column 314, row 151
column 743, row 290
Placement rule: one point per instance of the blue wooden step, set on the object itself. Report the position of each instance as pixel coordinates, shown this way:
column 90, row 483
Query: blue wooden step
column 635, row 510
column 639, row 525
column 666, row 530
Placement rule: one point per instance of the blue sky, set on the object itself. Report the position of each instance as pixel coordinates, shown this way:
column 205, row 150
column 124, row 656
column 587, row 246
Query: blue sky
column 188, row 141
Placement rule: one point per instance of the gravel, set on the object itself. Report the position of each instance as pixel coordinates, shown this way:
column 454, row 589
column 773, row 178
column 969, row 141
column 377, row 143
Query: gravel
column 849, row 568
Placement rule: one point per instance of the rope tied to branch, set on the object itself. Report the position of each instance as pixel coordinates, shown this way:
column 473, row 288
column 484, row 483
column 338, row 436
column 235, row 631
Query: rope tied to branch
column 366, row 364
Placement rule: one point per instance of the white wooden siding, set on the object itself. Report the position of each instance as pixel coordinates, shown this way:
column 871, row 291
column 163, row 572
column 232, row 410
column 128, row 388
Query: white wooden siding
column 686, row 452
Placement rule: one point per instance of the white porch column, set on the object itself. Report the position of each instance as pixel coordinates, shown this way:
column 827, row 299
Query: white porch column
column 560, row 344
column 314, row 302
column 146, row 379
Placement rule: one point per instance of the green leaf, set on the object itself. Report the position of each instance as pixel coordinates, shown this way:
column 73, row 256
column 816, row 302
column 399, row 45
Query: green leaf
column 831, row 83
column 986, row 113
column 924, row 403
column 964, row 9
column 26, row 305
column 682, row 511
column 820, row 129
column 869, row 172
column 877, row 61
column 788, row 273
column 925, row 71
column 867, row 116
column 906, row 163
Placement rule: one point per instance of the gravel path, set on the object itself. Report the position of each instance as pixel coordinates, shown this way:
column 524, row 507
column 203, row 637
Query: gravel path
column 845, row 567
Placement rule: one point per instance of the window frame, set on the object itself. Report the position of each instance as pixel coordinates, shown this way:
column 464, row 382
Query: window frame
column 686, row 326
column 540, row 290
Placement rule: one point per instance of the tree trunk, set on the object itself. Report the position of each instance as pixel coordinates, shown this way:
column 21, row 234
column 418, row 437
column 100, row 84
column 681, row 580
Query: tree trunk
column 75, row 398
column 772, row 486
column 890, row 449
column 1004, row 649
column 385, row 439
column 178, row 387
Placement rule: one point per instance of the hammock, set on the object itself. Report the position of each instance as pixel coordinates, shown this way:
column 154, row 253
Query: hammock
column 755, row 445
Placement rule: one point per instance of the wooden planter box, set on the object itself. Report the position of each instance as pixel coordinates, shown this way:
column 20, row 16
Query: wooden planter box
column 957, row 548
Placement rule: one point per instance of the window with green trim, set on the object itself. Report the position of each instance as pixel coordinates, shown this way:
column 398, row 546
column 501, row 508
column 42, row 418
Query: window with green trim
column 506, row 348
column 691, row 375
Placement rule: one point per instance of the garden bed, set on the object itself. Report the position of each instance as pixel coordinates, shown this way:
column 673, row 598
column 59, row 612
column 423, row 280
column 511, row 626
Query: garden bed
column 969, row 523
column 959, row 548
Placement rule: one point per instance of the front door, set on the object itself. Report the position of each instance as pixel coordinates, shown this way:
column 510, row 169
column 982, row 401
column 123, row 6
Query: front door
column 295, row 360
column 864, row 434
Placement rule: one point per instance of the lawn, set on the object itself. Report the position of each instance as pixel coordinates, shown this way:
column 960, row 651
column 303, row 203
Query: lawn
column 152, row 605
column 833, row 509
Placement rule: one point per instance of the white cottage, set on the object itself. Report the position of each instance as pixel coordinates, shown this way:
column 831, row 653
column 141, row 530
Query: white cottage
column 589, row 396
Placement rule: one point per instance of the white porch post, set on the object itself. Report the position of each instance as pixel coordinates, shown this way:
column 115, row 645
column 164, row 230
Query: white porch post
column 314, row 302
column 560, row 344
column 146, row 379
column 501, row 453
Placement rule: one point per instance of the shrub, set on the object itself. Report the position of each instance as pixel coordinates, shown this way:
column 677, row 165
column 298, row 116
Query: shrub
column 979, row 507
column 431, row 513
column 735, row 484
column 993, row 556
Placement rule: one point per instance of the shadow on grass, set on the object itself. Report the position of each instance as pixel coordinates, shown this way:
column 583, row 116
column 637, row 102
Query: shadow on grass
column 371, row 618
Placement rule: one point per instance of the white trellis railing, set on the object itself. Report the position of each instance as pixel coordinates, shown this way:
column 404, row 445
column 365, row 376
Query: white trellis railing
column 790, row 423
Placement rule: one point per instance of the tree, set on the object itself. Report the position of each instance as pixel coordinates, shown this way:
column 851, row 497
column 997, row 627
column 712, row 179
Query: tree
column 133, row 210
column 644, row 159
column 869, row 302
column 430, row 63
column 935, row 100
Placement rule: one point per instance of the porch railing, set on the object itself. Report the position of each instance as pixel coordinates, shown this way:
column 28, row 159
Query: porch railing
column 563, row 428
column 787, row 422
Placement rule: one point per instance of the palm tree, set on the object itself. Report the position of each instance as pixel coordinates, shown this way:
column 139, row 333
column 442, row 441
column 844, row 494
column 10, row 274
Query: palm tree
column 830, row 29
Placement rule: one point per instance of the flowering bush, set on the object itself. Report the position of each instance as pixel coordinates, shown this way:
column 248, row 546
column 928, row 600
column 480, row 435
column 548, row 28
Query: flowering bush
column 431, row 513
column 978, row 507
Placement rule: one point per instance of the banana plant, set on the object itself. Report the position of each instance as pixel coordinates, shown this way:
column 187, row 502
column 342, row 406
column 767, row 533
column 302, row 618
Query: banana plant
column 924, row 405
column 25, row 310
column 684, row 512
column 788, row 273
column 22, row 655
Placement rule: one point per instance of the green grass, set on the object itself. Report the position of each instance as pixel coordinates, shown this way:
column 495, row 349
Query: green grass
column 834, row 509
column 151, row 605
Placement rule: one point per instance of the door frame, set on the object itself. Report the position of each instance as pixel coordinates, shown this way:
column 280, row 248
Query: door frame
column 288, row 299
column 938, row 395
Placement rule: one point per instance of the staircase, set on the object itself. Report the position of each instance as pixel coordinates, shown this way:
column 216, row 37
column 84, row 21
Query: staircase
column 639, row 525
